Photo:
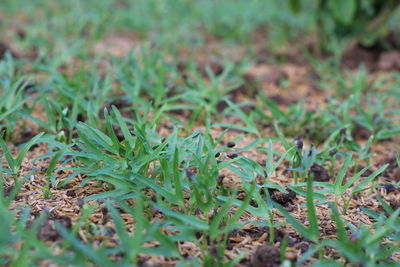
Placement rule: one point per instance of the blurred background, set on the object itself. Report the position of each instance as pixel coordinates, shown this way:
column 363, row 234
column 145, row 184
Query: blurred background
column 65, row 27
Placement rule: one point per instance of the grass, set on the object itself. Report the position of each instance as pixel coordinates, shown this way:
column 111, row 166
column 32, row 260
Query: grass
column 171, row 154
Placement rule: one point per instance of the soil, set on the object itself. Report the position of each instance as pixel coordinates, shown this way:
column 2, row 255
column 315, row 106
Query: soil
column 282, row 198
column 47, row 231
column 360, row 132
column 266, row 255
column 4, row 48
column 320, row 173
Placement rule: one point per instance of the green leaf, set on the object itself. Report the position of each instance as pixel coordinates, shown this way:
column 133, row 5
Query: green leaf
column 270, row 159
column 98, row 257
column 383, row 231
column 294, row 6
column 352, row 180
column 282, row 138
column 369, row 179
column 250, row 125
column 215, row 223
column 177, row 177
column 312, row 215
column 192, row 221
column 124, row 128
column 340, row 228
column 388, row 133
column 343, row 10
column 278, row 115
column 303, row 231
column 52, row 166
column 342, row 174
column 25, row 149
column 110, row 130
column 10, row 160
column 146, row 181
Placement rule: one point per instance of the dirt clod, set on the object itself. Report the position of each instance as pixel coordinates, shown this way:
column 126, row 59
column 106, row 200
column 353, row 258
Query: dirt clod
column 360, row 132
column 71, row 193
column 104, row 210
column 220, row 179
column 266, row 256
column 394, row 204
column 47, row 230
column 300, row 145
column 4, row 48
column 357, row 56
column 80, row 202
column 389, row 188
column 320, row 173
column 333, row 152
column 25, row 137
column 190, row 173
column 7, row 190
column 230, row 144
column 232, row 155
column 389, row 61
column 282, row 198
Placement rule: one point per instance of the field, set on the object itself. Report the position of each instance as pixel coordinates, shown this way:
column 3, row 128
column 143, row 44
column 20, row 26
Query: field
column 199, row 133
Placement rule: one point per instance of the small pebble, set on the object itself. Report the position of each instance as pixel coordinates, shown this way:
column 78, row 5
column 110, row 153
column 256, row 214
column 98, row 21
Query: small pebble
column 333, row 152
column 80, row 202
column 233, row 155
column 104, row 210
column 70, row 193
column 300, row 144
column 389, row 188
column 189, row 173
column 230, row 144
column 220, row 179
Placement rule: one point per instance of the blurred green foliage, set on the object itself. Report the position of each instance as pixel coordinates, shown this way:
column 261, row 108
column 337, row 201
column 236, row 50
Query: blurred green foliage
column 341, row 24
column 73, row 24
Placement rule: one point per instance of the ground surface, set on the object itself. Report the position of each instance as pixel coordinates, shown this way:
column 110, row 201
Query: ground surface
column 189, row 168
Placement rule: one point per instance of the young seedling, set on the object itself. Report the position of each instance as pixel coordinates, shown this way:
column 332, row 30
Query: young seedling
column 249, row 127
column 50, row 177
column 339, row 188
column 270, row 166
column 302, row 162
column 312, row 231
column 292, row 122
column 365, row 247
column 12, row 102
column 364, row 154
column 15, row 163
